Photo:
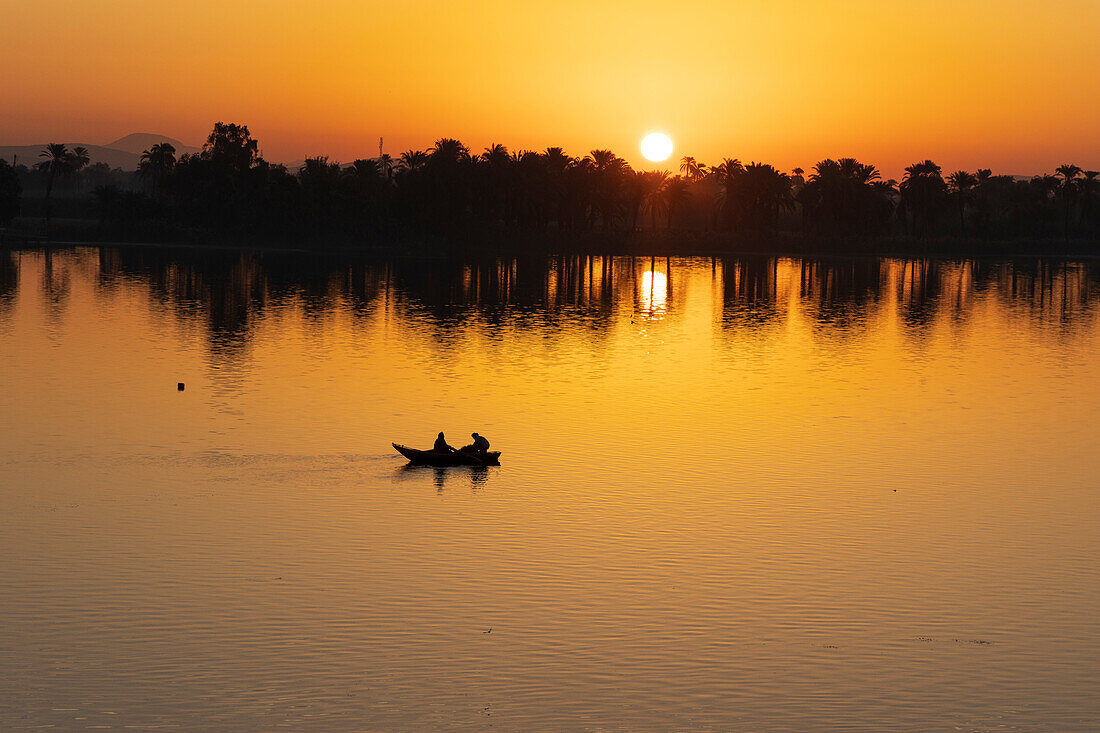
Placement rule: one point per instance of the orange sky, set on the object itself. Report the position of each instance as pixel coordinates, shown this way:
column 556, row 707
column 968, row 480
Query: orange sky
column 1006, row 84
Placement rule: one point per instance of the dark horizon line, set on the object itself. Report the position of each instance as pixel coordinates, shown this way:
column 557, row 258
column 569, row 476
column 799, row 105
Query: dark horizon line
column 448, row 191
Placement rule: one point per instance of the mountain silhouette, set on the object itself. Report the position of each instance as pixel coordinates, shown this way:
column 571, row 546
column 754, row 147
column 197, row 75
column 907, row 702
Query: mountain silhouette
column 124, row 153
column 138, row 142
column 28, row 155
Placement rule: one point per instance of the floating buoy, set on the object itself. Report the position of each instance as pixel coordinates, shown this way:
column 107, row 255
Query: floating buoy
column 179, row 386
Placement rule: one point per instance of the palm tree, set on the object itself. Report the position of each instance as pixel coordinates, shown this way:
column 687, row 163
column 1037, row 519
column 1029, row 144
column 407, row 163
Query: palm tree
column 10, row 190
column 692, row 169
column 728, row 170
column 385, row 160
column 157, row 162
column 960, row 185
column 609, row 173
column 495, row 155
column 320, row 181
column 57, row 161
column 412, row 160
column 797, row 179
column 922, row 190
column 674, row 194
column 727, row 174
column 448, row 150
column 846, row 197
column 556, row 164
column 982, row 200
column 556, row 160
column 1089, row 186
column 1068, row 190
column 652, row 190
column 498, row 199
column 160, row 157
column 766, row 191
column 366, row 169
column 79, row 157
column 1068, row 172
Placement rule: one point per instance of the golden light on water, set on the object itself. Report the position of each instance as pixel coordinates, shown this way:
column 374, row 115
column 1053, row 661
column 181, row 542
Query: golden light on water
column 656, row 146
column 689, row 443
column 654, row 294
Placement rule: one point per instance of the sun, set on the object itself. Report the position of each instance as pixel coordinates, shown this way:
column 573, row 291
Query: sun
column 656, row 146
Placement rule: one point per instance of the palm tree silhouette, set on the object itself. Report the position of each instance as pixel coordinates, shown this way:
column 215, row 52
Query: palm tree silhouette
column 79, row 157
column 556, row 159
column 1068, row 191
column 674, row 194
column 766, row 192
column 728, row 174
column 982, row 200
column 692, row 169
column 320, row 182
column 366, row 169
column 497, row 200
column 157, row 163
column 496, row 155
column 78, row 160
column 57, row 161
column 448, row 150
column 960, row 185
column 797, row 179
column 1089, row 188
column 922, row 190
column 10, row 189
column 385, row 160
column 412, row 160
column 845, row 197
column 610, row 174
column 228, row 186
column 652, row 189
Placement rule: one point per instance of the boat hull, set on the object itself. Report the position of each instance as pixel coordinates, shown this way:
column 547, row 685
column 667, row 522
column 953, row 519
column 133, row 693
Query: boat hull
column 458, row 458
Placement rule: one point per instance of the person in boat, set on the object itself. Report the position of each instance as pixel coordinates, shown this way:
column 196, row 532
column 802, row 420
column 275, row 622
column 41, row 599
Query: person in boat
column 441, row 445
column 480, row 445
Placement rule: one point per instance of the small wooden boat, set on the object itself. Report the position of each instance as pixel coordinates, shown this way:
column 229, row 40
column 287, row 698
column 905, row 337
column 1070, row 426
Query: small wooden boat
column 457, row 458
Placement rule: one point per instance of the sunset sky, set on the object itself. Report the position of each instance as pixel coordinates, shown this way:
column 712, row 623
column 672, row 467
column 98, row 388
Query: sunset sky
column 1004, row 84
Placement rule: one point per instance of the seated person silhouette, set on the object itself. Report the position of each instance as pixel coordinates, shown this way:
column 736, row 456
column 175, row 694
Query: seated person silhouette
column 479, row 446
column 441, row 445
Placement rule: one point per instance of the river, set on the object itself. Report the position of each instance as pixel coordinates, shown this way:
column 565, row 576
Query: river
column 763, row 494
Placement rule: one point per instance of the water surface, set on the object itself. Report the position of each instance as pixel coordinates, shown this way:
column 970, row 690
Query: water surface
column 741, row 494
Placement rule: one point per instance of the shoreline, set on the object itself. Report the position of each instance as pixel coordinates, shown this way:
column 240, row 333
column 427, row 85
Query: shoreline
column 450, row 251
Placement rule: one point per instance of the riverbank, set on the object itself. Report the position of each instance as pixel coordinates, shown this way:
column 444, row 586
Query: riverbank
column 642, row 243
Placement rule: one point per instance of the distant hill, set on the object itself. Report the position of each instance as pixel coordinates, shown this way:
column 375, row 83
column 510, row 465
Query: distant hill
column 28, row 155
column 124, row 153
column 139, row 142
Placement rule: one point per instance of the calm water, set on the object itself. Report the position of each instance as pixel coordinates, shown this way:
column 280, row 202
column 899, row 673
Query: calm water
column 750, row 494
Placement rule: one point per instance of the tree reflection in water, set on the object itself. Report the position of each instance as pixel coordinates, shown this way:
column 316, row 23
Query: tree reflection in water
column 231, row 292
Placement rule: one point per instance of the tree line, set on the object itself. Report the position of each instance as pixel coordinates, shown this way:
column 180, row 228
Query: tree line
column 229, row 190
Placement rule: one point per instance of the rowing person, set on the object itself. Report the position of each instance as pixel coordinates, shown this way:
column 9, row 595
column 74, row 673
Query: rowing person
column 479, row 446
column 441, row 445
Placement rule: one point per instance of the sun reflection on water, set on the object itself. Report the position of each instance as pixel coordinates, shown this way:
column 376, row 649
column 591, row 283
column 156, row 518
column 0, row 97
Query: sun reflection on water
column 653, row 295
